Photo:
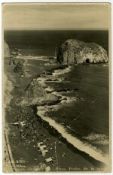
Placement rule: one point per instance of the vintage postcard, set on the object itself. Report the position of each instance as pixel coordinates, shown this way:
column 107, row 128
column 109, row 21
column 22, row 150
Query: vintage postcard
column 56, row 62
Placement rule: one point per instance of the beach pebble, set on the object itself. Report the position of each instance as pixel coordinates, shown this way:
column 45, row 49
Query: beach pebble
column 40, row 143
column 48, row 168
column 48, row 159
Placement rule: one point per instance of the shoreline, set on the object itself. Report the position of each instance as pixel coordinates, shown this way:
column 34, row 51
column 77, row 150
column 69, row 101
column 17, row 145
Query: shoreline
column 47, row 134
column 75, row 141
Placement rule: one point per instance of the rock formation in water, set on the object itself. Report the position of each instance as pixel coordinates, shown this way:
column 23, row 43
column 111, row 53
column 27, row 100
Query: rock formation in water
column 73, row 51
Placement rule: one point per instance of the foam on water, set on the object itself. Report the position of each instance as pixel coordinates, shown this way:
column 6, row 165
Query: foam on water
column 64, row 99
column 43, row 80
column 84, row 147
column 68, row 100
column 42, row 112
column 62, row 71
column 99, row 139
column 29, row 57
column 49, row 89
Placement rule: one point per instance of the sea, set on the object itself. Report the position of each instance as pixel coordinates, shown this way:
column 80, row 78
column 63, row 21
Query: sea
column 44, row 42
column 82, row 115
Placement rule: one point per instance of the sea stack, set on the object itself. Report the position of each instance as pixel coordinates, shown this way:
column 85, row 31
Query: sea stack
column 73, row 51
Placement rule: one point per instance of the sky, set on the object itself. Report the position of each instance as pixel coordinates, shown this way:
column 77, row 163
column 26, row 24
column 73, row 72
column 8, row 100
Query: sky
column 45, row 16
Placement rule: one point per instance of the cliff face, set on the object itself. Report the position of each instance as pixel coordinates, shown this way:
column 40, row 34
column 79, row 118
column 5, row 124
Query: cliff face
column 6, row 50
column 75, row 51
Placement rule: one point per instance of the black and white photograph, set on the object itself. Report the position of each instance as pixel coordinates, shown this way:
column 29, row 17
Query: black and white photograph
column 56, row 92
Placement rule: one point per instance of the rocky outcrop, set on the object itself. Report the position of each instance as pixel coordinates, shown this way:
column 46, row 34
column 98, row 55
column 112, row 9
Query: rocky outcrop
column 74, row 51
column 36, row 94
column 6, row 50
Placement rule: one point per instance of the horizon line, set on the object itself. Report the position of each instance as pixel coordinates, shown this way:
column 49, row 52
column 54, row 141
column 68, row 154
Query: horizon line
column 48, row 29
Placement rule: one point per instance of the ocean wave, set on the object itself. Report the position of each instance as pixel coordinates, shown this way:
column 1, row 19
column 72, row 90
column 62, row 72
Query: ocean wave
column 68, row 100
column 65, row 99
column 45, row 109
column 29, row 57
column 100, row 139
column 84, row 147
column 50, row 64
column 43, row 80
column 55, row 107
column 62, row 71
column 49, row 89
